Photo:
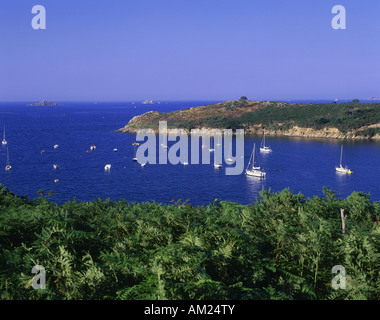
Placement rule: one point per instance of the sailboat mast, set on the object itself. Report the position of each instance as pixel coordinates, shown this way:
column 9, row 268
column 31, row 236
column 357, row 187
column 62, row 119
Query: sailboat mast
column 250, row 158
column 264, row 138
column 253, row 155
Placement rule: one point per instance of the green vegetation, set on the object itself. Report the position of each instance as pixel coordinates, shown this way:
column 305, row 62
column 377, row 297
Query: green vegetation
column 281, row 247
column 344, row 116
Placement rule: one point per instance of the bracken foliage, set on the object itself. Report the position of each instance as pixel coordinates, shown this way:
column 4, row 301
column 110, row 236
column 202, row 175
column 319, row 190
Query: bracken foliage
column 283, row 246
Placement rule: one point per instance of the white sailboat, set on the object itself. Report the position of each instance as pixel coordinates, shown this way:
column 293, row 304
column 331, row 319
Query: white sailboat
column 263, row 147
column 342, row 169
column 4, row 142
column 252, row 170
column 8, row 167
column 216, row 165
column 211, row 147
column 229, row 160
column 135, row 144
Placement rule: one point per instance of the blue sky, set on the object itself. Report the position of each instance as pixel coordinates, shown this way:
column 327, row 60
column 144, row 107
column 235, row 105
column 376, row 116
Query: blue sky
column 123, row 50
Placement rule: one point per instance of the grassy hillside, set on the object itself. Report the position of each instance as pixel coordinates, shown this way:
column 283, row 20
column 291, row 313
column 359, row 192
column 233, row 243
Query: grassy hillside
column 281, row 247
column 360, row 119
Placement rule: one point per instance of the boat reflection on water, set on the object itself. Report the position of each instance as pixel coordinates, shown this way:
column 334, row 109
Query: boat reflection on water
column 254, row 184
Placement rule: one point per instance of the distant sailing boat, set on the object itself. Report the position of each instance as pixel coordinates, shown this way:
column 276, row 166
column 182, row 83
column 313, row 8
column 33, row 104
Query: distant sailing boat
column 342, row 169
column 8, row 167
column 211, row 148
column 4, row 142
column 263, row 147
column 134, row 154
column 216, row 165
column 229, row 160
column 254, row 171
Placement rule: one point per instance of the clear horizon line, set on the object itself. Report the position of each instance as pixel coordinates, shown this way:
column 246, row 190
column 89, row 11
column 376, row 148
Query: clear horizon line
column 180, row 100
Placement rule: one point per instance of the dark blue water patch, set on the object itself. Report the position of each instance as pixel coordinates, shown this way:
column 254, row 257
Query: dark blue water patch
column 301, row 165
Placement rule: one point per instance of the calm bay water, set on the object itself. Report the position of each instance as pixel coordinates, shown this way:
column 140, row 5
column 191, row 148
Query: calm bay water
column 298, row 164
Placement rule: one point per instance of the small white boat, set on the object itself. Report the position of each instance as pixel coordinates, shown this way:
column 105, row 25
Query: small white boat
column 217, row 165
column 4, row 142
column 115, row 150
column 252, row 170
column 229, row 159
column 8, row 167
column 92, row 147
column 342, row 169
column 55, row 166
column 185, row 163
column 107, row 167
column 56, row 146
column 264, row 148
column 143, row 164
column 211, row 147
column 135, row 144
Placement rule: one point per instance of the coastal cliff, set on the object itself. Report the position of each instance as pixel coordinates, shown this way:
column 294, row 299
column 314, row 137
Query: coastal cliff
column 329, row 120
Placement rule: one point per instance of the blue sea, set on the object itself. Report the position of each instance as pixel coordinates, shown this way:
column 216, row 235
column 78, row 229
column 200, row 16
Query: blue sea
column 302, row 165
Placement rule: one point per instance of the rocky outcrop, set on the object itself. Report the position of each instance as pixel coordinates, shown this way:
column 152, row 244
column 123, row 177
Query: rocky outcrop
column 43, row 103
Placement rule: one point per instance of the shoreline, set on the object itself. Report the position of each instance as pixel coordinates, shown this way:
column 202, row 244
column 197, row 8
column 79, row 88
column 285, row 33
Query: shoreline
column 295, row 132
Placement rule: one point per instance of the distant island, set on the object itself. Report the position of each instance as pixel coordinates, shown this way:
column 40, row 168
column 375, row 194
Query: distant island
column 149, row 101
column 43, row 103
column 353, row 120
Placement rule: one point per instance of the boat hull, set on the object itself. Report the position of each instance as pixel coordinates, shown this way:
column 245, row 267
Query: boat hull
column 343, row 170
column 255, row 173
column 266, row 150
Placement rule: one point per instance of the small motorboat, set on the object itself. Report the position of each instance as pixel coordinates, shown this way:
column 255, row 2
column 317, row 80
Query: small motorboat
column 92, row 147
column 55, row 166
column 56, row 146
column 115, row 150
column 107, row 167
